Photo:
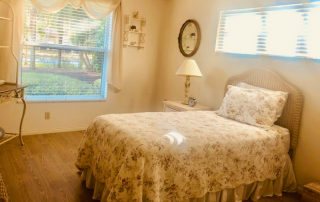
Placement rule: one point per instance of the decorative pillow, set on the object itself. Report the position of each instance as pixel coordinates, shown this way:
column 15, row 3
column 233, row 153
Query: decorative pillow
column 245, row 85
column 252, row 106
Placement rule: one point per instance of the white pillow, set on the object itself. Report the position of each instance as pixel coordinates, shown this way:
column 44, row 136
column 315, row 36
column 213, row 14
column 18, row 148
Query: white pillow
column 245, row 85
column 253, row 106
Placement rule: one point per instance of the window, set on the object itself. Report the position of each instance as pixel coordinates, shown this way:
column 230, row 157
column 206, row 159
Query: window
column 65, row 55
column 291, row 31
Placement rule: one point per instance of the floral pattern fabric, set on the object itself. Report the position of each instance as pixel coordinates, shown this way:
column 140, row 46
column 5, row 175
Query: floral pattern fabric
column 174, row 156
column 253, row 106
column 279, row 110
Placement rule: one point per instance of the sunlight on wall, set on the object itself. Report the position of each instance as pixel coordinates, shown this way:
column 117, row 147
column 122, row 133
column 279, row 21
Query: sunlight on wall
column 289, row 31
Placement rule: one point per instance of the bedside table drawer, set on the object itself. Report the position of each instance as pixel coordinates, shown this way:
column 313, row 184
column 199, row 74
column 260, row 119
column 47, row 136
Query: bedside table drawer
column 168, row 109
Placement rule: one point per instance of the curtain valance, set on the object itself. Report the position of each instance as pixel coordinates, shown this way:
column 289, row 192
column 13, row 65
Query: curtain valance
column 96, row 9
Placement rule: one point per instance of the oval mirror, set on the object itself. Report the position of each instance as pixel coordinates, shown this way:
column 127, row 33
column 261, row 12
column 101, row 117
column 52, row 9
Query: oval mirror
column 189, row 38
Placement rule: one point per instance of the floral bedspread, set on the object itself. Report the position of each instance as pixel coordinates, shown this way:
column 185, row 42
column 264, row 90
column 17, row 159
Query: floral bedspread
column 172, row 156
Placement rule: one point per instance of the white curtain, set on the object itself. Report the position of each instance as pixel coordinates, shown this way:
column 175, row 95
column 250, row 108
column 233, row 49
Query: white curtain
column 96, row 9
column 114, row 73
column 7, row 62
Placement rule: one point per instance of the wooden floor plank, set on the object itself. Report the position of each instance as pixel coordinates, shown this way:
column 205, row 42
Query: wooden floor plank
column 39, row 180
column 55, row 179
column 41, row 139
column 8, row 176
column 33, row 145
column 44, row 170
column 69, row 143
column 23, row 189
column 60, row 150
column 55, row 159
column 15, row 161
column 79, row 135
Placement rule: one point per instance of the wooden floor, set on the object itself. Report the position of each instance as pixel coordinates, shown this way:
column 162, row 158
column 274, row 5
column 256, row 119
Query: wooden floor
column 43, row 170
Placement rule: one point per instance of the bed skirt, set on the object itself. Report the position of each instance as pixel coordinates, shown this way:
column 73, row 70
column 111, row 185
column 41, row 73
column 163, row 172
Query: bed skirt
column 285, row 183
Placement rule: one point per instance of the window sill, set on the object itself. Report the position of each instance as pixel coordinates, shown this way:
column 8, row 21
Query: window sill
column 60, row 101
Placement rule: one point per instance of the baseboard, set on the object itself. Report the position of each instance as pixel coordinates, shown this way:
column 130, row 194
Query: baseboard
column 54, row 130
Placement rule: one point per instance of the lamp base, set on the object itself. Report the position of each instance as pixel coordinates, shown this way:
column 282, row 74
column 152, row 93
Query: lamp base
column 187, row 86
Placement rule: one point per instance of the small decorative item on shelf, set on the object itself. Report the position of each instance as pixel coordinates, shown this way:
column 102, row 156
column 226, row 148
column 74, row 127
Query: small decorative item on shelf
column 133, row 28
column 136, row 15
column 192, row 101
column 2, row 133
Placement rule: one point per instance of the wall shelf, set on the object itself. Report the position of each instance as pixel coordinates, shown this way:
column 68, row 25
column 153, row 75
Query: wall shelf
column 137, row 19
column 136, row 46
column 136, row 32
column 132, row 36
column 192, row 38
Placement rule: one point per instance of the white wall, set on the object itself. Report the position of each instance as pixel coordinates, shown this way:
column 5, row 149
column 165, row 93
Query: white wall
column 217, row 68
column 138, row 95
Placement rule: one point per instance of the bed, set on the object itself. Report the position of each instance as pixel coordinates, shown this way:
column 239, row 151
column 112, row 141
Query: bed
column 192, row 156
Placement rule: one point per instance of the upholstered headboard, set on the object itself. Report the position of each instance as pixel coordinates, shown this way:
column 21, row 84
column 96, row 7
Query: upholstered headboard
column 268, row 79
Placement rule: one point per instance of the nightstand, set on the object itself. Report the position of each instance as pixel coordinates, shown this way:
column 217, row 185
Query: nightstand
column 176, row 106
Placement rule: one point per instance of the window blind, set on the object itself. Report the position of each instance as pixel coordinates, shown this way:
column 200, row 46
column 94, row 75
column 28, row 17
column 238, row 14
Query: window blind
column 65, row 54
column 290, row 31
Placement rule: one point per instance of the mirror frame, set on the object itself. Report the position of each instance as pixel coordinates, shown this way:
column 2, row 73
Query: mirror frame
column 198, row 39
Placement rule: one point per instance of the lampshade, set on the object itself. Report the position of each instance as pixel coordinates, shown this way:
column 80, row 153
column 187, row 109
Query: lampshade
column 189, row 68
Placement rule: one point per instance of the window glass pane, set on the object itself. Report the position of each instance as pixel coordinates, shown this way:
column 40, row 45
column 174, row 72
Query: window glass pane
column 65, row 54
column 61, row 72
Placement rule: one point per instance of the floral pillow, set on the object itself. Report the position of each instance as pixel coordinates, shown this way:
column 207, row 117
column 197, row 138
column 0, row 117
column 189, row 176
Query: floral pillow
column 253, row 106
column 245, row 85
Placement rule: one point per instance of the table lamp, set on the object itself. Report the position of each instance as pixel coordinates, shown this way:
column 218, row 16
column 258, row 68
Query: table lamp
column 188, row 68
